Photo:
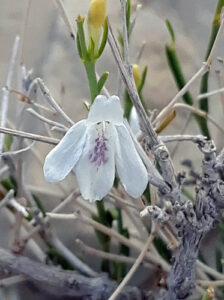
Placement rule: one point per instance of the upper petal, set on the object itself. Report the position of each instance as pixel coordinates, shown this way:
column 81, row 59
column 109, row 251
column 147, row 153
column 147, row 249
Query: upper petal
column 95, row 170
column 106, row 109
column 130, row 168
column 60, row 161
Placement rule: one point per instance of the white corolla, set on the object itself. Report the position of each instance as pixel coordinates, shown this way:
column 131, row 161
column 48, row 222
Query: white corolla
column 95, row 148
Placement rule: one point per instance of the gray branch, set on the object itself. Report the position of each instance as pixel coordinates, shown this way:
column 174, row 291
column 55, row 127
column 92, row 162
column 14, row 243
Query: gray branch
column 192, row 222
column 154, row 144
column 61, row 283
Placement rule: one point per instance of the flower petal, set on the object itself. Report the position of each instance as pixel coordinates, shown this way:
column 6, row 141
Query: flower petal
column 60, row 161
column 106, row 109
column 130, row 168
column 134, row 121
column 95, row 170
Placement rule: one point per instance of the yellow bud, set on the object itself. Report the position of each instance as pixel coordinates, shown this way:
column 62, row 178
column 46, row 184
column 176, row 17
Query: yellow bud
column 97, row 13
column 96, row 18
column 136, row 74
column 171, row 116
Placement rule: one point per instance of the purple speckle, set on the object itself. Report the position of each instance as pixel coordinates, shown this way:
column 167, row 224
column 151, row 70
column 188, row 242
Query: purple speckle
column 98, row 154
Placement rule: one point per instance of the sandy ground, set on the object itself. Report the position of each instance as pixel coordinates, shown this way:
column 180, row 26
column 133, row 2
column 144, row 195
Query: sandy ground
column 50, row 52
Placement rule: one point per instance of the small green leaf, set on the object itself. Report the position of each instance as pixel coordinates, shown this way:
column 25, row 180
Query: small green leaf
column 87, row 105
column 81, row 37
column 91, row 50
column 127, row 105
column 102, row 81
column 143, row 77
column 120, row 39
column 104, row 39
column 79, row 47
column 128, row 15
column 171, row 31
column 8, row 142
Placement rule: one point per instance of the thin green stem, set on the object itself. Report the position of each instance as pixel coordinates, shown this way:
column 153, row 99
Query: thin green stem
column 204, row 82
column 91, row 75
column 215, row 28
column 101, row 212
column 123, row 250
column 89, row 58
column 103, row 239
column 176, row 69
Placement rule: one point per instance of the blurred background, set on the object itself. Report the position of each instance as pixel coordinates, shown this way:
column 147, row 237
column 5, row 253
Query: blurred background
column 52, row 55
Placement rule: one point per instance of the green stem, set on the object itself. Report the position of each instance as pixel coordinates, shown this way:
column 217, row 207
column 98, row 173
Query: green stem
column 120, row 222
column 91, row 75
column 89, row 59
column 103, row 239
column 93, row 86
column 176, row 70
column 178, row 75
column 215, row 28
column 204, row 81
column 101, row 212
column 123, row 250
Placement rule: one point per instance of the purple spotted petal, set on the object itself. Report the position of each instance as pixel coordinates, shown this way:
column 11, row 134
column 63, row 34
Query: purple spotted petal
column 95, row 170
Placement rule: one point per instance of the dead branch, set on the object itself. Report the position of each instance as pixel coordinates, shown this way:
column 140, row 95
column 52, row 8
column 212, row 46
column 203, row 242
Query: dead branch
column 61, row 283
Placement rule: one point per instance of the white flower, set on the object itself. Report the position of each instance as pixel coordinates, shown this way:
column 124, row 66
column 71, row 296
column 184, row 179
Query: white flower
column 93, row 147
